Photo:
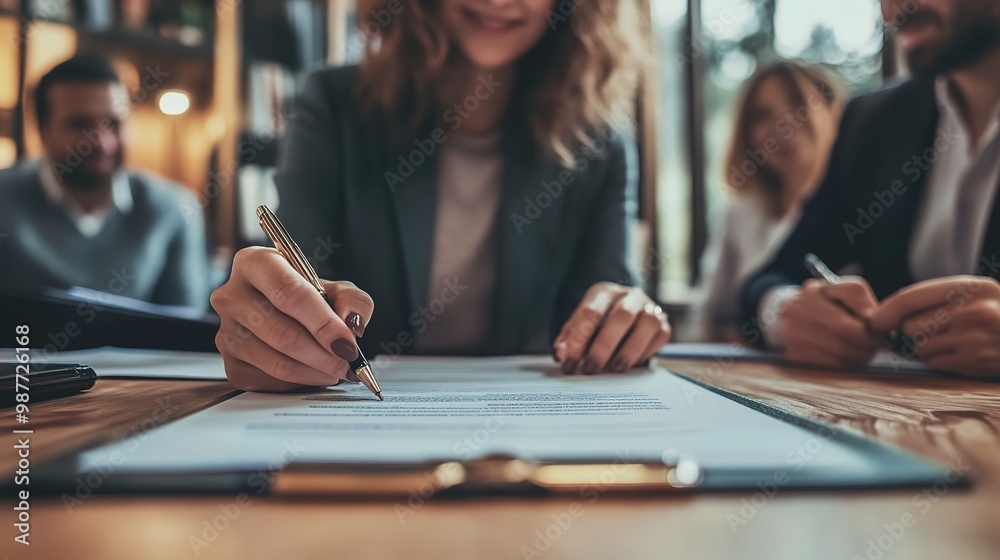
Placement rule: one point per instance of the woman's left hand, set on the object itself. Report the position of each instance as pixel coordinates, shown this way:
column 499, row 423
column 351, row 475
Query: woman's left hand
column 614, row 328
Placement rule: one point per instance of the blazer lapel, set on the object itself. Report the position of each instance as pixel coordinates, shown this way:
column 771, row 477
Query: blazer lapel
column 528, row 226
column 990, row 263
column 919, row 120
column 527, row 234
column 415, row 204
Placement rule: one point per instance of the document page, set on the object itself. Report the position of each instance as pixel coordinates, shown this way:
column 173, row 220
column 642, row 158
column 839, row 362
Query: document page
column 460, row 409
column 109, row 361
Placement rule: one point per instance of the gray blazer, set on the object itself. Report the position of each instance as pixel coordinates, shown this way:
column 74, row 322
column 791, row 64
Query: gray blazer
column 362, row 204
column 153, row 252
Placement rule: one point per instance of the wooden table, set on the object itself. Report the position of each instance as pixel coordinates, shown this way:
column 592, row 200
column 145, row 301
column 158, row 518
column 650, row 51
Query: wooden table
column 953, row 421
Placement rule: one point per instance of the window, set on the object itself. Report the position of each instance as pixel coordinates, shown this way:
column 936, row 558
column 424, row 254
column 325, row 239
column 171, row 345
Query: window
column 713, row 59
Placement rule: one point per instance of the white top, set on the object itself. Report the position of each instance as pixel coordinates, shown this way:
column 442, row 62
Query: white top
column 89, row 223
column 938, row 247
column 746, row 239
column 459, row 313
column 955, row 212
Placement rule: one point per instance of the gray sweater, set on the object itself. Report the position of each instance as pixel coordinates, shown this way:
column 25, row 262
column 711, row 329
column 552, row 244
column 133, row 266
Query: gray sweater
column 154, row 252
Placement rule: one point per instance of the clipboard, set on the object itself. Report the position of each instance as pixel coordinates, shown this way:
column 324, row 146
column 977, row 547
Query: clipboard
column 884, row 467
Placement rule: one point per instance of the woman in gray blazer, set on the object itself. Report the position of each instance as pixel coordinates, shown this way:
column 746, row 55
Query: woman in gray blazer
column 465, row 191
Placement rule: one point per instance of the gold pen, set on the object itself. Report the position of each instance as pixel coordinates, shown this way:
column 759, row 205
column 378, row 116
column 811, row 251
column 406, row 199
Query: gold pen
column 290, row 250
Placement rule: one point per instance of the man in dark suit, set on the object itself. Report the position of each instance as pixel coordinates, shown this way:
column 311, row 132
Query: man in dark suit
column 910, row 200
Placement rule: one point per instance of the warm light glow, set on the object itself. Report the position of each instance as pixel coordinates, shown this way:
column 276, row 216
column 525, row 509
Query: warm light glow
column 8, row 152
column 48, row 45
column 8, row 63
column 174, row 103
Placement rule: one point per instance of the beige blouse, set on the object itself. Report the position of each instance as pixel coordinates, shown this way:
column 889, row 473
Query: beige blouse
column 460, row 299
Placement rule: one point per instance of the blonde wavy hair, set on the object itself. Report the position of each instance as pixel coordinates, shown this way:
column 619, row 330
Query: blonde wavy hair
column 809, row 87
column 582, row 75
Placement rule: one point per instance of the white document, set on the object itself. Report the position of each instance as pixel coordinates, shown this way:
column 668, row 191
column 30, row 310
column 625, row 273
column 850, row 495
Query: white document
column 460, row 409
column 109, row 361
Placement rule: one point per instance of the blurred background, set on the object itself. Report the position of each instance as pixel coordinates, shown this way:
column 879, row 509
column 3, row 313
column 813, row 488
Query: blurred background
column 212, row 83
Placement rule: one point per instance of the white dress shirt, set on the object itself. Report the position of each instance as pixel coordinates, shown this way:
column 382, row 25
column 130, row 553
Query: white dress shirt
column 89, row 223
column 951, row 225
column 954, row 216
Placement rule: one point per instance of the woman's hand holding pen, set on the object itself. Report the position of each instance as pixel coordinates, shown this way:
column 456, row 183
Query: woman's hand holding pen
column 614, row 328
column 277, row 332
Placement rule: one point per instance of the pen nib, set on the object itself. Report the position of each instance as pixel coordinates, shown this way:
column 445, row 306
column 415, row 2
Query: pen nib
column 364, row 373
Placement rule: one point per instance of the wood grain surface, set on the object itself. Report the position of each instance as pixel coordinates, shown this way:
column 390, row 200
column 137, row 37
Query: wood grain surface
column 956, row 422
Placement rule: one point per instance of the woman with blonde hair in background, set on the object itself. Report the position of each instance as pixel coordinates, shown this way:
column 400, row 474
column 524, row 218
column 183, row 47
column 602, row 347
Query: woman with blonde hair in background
column 786, row 122
column 465, row 191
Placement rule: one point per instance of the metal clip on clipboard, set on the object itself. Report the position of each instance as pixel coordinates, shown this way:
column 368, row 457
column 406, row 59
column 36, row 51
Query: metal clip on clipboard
column 489, row 474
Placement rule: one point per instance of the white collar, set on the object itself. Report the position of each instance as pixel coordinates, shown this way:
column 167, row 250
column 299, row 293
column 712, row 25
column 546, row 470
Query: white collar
column 952, row 117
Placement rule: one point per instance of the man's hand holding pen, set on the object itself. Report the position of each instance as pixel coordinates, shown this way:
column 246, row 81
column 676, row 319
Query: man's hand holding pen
column 828, row 324
column 278, row 333
column 950, row 324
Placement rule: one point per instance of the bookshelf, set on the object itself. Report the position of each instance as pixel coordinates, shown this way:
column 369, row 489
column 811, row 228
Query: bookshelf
column 171, row 40
column 239, row 62
column 282, row 41
column 10, row 66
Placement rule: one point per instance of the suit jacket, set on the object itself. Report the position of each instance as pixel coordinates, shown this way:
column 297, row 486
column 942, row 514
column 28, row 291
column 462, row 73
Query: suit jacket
column 361, row 204
column 865, row 211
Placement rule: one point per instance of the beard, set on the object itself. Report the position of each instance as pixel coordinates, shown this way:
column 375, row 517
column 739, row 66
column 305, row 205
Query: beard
column 973, row 34
column 79, row 178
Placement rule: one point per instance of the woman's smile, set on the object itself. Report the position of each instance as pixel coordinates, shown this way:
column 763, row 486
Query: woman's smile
column 490, row 24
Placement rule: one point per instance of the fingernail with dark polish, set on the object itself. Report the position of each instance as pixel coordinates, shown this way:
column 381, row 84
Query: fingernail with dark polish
column 620, row 365
column 557, row 350
column 589, row 366
column 345, row 349
column 357, row 325
column 351, row 376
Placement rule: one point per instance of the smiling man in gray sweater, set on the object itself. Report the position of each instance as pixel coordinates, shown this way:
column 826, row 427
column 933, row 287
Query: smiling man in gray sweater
column 77, row 218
